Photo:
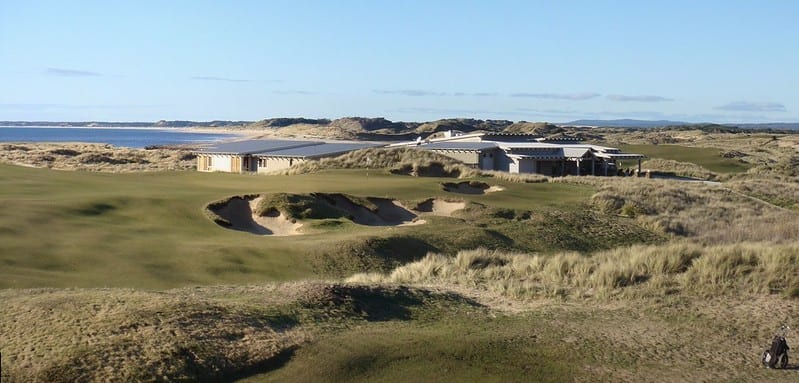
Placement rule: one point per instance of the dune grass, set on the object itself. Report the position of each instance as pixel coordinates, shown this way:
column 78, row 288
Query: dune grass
column 711, row 214
column 642, row 271
column 312, row 331
column 408, row 161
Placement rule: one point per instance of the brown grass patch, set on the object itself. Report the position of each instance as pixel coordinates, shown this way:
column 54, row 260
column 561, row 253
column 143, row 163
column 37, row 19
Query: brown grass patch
column 636, row 271
column 96, row 157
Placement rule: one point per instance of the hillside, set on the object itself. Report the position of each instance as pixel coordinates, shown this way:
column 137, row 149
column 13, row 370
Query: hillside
column 625, row 123
column 381, row 265
column 112, row 124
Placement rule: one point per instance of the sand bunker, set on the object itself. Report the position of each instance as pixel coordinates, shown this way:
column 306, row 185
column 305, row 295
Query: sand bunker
column 238, row 213
column 440, row 207
column 388, row 212
column 275, row 221
column 470, row 187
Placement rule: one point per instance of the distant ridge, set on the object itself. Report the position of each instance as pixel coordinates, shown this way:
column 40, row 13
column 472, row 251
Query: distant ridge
column 122, row 124
column 381, row 128
column 626, row 123
column 631, row 123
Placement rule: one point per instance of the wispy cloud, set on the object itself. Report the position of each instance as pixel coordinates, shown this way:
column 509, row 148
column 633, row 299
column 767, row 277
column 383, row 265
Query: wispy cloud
column 475, row 94
column 63, row 72
column 623, row 98
column 546, row 112
column 221, row 79
column 410, row 92
column 558, row 96
column 293, row 91
column 452, row 112
column 748, row 106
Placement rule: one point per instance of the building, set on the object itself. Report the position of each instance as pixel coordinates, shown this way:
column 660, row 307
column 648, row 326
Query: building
column 513, row 153
column 524, row 153
column 263, row 156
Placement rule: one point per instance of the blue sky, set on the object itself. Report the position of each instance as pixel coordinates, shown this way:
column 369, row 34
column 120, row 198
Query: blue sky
column 720, row 61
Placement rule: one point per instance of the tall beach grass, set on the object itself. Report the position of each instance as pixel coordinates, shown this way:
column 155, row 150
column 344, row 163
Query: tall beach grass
column 635, row 271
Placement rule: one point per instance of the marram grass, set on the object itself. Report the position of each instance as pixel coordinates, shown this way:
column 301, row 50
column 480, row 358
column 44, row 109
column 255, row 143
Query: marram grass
column 635, row 271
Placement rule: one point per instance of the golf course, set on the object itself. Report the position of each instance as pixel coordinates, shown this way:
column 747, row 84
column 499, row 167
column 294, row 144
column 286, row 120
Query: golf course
column 355, row 272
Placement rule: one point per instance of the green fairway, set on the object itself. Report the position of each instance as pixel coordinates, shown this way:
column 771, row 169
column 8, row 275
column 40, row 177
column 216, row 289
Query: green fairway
column 474, row 348
column 709, row 158
column 63, row 229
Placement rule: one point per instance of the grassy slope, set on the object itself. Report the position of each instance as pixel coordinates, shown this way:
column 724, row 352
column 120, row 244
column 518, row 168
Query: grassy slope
column 462, row 348
column 50, row 218
column 148, row 230
column 709, row 158
column 302, row 332
column 672, row 339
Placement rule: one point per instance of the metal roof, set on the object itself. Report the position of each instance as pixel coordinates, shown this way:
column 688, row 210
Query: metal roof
column 256, row 146
column 575, row 152
column 320, row 150
column 455, row 145
column 542, row 156
column 621, row 156
column 528, row 145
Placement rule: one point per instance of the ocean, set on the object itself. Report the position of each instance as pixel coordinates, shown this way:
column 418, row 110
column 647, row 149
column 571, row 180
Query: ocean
column 126, row 137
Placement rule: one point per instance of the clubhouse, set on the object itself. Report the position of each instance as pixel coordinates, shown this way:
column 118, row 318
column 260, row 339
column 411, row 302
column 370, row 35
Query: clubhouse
column 525, row 153
column 513, row 153
column 264, row 156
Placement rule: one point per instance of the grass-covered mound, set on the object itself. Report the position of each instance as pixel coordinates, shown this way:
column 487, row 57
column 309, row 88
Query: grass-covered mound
column 96, row 157
column 457, row 225
column 195, row 334
column 255, row 213
column 713, row 214
column 407, row 161
column 647, row 271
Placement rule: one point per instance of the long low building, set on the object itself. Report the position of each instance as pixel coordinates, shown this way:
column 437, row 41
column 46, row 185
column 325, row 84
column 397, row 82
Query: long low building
column 524, row 153
column 264, row 156
column 513, row 153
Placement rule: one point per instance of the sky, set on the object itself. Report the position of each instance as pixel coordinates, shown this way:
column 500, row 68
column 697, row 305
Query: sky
column 556, row 61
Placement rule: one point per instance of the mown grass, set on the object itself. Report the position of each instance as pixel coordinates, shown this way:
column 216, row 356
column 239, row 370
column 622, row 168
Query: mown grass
column 709, row 158
column 81, row 229
column 463, row 349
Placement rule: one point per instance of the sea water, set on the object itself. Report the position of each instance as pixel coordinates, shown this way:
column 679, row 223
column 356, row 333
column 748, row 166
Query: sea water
column 127, row 137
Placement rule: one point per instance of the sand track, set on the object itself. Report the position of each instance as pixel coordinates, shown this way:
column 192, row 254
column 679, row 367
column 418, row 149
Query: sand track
column 240, row 212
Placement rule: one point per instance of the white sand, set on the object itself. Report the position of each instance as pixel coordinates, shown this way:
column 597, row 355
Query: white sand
column 277, row 224
column 446, row 208
column 240, row 212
